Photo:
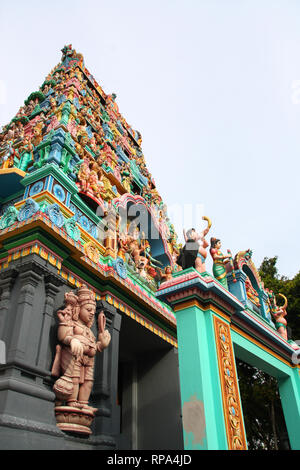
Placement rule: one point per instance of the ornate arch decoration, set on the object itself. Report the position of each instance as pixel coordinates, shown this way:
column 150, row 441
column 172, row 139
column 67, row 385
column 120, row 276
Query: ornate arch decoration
column 253, row 283
column 243, row 261
column 155, row 232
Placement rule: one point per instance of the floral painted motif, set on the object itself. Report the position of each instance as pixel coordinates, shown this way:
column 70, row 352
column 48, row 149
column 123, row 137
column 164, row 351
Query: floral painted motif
column 28, row 210
column 55, row 215
column 230, row 393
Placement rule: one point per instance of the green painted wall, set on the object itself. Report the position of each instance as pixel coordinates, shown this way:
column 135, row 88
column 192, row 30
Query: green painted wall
column 288, row 381
column 200, row 383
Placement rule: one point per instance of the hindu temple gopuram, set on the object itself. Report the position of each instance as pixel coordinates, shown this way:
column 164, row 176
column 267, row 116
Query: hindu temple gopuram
column 113, row 334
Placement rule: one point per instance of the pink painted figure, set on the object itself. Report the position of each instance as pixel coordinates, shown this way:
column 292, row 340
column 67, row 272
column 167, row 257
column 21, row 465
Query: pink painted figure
column 75, row 353
column 83, row 176
column 279, row 315
column 65, row 315
column 196, row 244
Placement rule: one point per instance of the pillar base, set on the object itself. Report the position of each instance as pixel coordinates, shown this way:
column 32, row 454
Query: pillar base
column 75, row 420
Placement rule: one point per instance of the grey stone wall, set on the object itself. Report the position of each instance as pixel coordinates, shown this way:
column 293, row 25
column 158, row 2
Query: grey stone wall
column 31, row 293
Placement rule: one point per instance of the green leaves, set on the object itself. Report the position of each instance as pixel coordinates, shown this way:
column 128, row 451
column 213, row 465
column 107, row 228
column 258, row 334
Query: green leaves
column 288, row 287
column 263, row 416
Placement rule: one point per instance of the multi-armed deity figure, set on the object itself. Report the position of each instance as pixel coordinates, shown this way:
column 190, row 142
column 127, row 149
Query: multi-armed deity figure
column 252, row 293
column 135, row 248
column 193, row 254
column 75, row 355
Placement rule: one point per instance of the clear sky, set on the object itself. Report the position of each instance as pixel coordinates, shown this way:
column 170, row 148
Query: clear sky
column 212, row 85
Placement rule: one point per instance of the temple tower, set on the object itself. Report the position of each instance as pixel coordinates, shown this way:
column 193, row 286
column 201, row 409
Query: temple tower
column 79, row 209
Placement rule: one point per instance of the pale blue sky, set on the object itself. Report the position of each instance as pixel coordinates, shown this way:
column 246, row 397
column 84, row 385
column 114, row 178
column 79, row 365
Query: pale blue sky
column 212, row 85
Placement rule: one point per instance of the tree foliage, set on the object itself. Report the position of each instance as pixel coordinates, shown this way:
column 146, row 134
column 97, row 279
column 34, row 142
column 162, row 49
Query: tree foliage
column 262, row 410
column 288, row 287
column 263, row 415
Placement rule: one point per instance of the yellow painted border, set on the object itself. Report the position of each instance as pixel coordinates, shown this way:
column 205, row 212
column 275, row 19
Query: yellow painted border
column 7, row 171
column 74, row 281
column 45, row 195
column 232, row 409
column 112, row 300
column 196, row 303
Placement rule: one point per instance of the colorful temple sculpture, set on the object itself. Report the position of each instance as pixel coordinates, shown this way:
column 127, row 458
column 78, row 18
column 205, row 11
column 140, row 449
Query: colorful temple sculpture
column 100, row 303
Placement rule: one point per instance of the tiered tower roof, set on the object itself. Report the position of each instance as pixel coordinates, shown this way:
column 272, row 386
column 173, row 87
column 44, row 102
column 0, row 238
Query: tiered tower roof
column 71, row 122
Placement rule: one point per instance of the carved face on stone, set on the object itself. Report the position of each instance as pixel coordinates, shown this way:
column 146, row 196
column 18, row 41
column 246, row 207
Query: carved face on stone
column 84, row 141
column 68, row 312
column 87, row 313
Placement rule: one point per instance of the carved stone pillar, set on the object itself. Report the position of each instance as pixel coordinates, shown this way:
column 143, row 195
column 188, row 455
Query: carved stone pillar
column 26, row 401
column 30, row 276
column 7, row 280
column 52, row 284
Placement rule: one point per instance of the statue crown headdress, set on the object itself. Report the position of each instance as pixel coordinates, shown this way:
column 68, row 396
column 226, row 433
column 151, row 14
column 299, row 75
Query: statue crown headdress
column 71, row 298
column 85, row 295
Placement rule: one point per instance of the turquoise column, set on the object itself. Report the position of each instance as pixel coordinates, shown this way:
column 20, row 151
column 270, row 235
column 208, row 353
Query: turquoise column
column 202, row 411
column 211, row 411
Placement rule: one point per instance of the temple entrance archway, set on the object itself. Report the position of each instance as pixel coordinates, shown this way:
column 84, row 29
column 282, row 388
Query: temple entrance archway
column 149, row 410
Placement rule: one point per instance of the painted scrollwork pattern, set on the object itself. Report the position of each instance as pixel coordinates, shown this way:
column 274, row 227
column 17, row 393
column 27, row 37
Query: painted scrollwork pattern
column 230, row 392
column 92, row 252
column 55, row 215
column 120, row 267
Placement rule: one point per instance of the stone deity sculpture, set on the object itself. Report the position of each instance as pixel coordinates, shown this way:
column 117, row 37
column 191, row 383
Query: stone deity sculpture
column 74, row 360
column 279, row 314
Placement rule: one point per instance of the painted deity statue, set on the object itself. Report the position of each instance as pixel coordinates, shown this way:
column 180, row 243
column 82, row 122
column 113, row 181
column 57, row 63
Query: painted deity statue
column 194, row 252
column 147, row 253
column 146, row 264
column 95, row 184
column 279, row 314
column 37, row 134
column 135, row 248
column 7, row 161
column 219, row 261
column 133, row 244
column 75, row 353
column 83, row 176
column 19, row 131
column 138, row 248
column 251, row 293
column 122, row 245
column 166, row 274
column 125, row 174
